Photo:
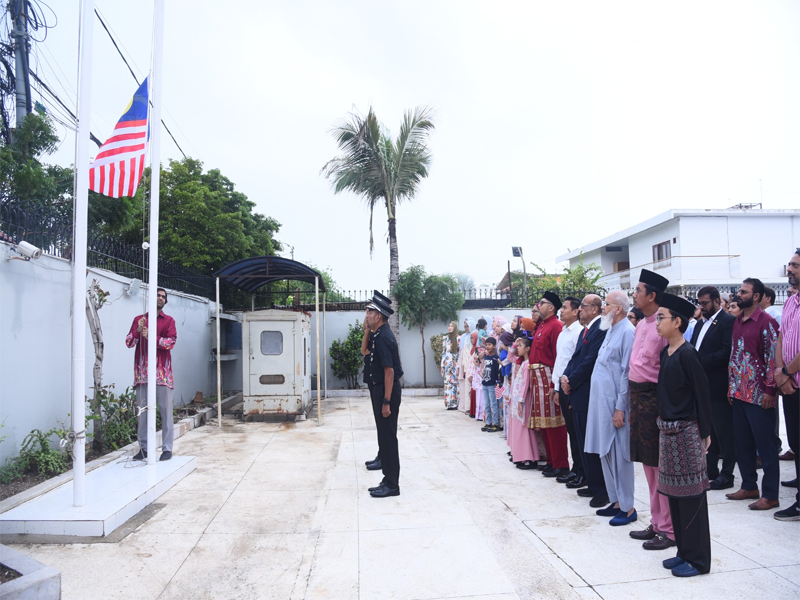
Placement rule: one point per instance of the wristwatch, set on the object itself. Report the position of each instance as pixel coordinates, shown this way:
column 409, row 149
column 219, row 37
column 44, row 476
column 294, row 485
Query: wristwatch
column 785, row 372
column 386, row 401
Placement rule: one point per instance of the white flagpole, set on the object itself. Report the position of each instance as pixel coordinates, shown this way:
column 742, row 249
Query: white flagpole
column 155, row 179
column 79, row 243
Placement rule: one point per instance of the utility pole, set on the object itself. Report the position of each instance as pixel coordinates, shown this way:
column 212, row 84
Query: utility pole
column 19, row 15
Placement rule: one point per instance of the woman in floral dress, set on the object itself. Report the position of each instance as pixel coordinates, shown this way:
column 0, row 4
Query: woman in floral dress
column 449, row 366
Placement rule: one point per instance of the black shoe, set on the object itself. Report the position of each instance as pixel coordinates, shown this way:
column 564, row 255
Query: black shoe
column 644, row 534
column 598, row 501
column 566, row 478
column 587, row 493
column 577, row 482
column 527, row 465
column 374, row 465
column 377, row 487
column 721, row 483
column 384, row 491
column 376, row 459
column 166, row 455
column 544, row 467
column 141, row 455
column 555, row 472
column 790, row 484
column 508, row 453
column 659, row 542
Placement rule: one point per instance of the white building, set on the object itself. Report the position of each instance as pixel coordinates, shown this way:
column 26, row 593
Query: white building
column 696, row 247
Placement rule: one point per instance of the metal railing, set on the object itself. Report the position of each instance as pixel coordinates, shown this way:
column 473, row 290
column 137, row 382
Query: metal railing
column 686, row 269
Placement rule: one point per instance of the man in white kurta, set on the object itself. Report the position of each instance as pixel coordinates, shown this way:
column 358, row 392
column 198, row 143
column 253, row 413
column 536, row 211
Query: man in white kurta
column 607, row 427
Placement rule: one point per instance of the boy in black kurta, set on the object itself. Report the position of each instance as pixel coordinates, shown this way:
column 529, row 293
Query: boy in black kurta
column 684, row 423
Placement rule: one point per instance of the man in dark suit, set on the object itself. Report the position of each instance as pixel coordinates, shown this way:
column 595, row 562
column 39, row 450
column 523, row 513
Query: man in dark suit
column 575, row 383
column 712, row 339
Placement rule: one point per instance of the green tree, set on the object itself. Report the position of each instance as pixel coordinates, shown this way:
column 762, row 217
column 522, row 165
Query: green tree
column 422, row 298
column 379, row 169
column 582, row 277
column 22, row 173
column 204, row 223
column 346, row 355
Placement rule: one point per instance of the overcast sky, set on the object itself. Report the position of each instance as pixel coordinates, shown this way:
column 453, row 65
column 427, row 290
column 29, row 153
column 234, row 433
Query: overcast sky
column 556, row 123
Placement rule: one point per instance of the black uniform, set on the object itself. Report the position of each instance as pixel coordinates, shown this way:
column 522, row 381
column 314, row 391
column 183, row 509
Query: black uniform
column 383, row 352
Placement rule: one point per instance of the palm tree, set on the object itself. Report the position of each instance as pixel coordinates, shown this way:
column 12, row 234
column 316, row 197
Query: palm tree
column 380, row 169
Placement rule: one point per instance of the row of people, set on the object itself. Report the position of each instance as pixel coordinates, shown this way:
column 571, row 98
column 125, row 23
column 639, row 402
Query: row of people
column 643, row 393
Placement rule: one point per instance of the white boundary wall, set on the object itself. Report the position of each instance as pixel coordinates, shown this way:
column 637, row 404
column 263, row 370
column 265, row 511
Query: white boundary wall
column 35, row 361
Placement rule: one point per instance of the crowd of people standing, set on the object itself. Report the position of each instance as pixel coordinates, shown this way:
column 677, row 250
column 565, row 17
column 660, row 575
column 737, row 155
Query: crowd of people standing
column 688, row 388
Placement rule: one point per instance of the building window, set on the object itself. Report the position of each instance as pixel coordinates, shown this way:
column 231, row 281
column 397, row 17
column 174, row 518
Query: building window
column 271, row 342
column 662, row 253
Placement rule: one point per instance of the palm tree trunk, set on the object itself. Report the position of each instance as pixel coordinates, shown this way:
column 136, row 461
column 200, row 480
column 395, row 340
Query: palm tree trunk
column 394, row 275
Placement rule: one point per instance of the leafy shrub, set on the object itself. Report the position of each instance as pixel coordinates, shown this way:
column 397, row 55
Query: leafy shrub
column 346, row 355
column 36, row 454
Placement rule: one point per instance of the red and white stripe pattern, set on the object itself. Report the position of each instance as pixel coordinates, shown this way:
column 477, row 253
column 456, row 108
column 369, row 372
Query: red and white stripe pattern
column 118, row 166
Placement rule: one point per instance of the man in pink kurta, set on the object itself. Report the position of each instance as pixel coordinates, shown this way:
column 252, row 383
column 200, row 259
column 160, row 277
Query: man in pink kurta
column 643, row 379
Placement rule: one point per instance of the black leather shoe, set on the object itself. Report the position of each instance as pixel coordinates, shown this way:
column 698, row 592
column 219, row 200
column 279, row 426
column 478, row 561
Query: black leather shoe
column 555, row 472
column 721, row 483
column 527, row 465
column 544, row 467
column 374, row 466
column 598, row 501
column 376, row 459
column 659, row 542
column 141, row 455
column 790, row 484
column 585, row 493
column 577, row 482
column 566, row 478
column 385, row 491
column 166, row 455
column 377, row 487
column 644, row 534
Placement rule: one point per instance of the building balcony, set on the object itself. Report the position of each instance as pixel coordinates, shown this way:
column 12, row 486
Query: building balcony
column 681, row 271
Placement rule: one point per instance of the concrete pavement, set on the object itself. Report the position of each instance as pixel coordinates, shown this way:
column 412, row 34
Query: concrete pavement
column 281, row 511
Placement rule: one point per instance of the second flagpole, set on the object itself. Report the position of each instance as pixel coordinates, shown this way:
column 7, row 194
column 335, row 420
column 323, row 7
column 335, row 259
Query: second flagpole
column 155, row 181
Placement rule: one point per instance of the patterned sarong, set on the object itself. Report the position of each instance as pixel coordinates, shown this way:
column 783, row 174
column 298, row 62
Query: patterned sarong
column 545, row 413
column 682, row 470
column 643, row 417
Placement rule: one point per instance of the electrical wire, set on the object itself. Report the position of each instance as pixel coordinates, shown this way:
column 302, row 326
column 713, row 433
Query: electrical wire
column 57, row 99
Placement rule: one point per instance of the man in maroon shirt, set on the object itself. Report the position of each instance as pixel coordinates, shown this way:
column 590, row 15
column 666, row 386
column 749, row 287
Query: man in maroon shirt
column 546, row 414
column 166, row 337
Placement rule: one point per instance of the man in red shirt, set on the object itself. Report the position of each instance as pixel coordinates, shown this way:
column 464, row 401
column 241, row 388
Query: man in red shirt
column 137, row 338
column 546, row 414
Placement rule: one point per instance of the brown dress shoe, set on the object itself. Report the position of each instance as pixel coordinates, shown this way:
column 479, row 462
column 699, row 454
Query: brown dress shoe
column 788, row 455
column 743, row 494
column 764, row 504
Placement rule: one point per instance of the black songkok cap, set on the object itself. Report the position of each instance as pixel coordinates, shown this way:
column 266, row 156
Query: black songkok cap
column 654, row 279
column 553, row 297
column 380, row 303
column 677, row 304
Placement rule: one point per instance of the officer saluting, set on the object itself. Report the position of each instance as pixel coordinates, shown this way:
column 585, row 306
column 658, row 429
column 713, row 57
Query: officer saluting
column 382, row 372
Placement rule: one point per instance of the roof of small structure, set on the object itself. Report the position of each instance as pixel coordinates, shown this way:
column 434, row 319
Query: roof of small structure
column 250, row 274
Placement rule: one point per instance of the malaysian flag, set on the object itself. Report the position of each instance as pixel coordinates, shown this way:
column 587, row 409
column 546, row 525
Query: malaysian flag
column 117, row 168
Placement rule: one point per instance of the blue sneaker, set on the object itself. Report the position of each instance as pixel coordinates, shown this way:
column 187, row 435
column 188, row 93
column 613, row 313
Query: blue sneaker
column 623, row 519
column 685, row 570
column 673, row 562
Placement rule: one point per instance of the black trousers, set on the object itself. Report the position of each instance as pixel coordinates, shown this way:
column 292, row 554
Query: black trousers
column 574, row 447
column 723, row 442
column 791, row 412
column 692, row 533
column 376, row 412
column 592, row 467
column 387, row 432
column 755, row 433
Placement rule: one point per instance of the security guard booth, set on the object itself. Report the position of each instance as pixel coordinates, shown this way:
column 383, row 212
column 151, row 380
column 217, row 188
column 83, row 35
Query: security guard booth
column 276, row 376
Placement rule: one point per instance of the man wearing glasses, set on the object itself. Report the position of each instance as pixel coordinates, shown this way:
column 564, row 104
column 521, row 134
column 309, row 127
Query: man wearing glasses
column 712, row 340
column 137, row 338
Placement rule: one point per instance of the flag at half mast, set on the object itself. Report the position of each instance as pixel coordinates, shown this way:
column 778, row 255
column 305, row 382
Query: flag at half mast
column 117, row 168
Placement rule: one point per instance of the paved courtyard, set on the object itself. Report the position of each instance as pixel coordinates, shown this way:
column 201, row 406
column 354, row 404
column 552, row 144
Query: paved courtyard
column 281, row 511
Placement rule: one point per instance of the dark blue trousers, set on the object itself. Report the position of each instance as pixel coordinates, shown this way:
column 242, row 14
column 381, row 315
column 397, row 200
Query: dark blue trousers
column 754, row 428
column 791, row 412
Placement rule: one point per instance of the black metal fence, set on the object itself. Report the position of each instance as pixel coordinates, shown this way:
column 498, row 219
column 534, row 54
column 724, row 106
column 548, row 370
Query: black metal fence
column 51, row 231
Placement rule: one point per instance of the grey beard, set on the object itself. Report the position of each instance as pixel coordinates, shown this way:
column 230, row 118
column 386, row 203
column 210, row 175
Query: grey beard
column 606, row 321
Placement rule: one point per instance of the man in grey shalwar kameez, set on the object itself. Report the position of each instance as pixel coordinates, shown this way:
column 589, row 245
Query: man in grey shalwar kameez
column 607, row 427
